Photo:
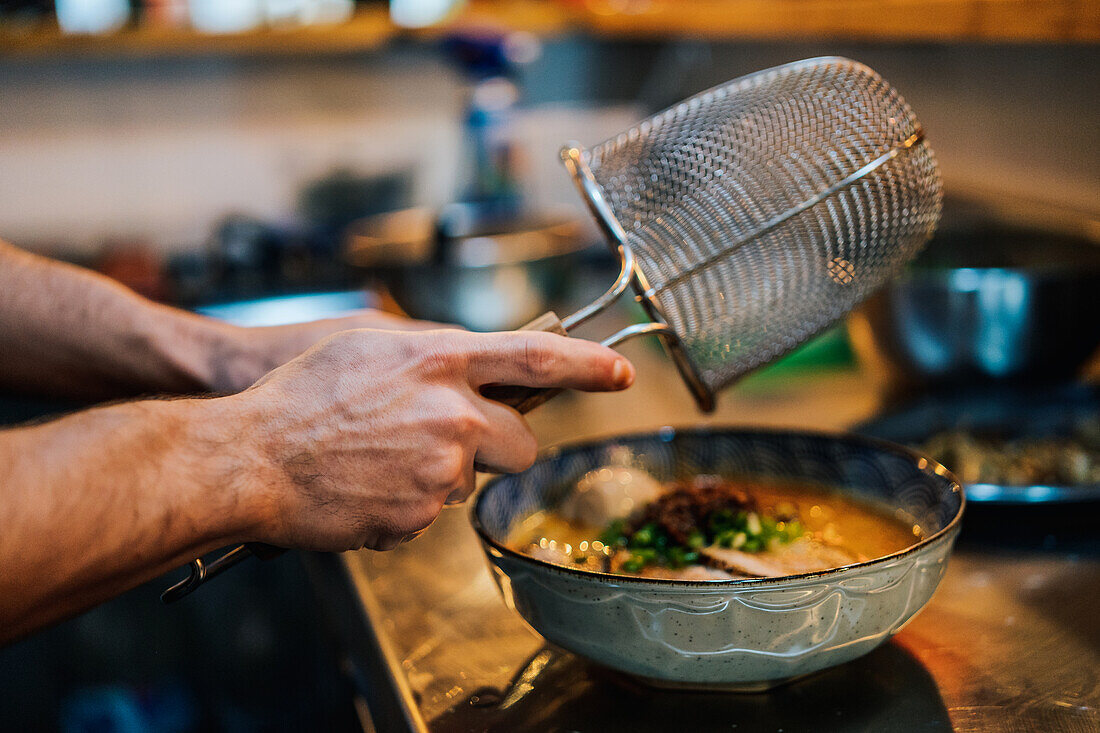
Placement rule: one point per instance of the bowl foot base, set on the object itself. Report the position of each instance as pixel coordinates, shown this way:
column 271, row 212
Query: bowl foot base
column 738, row 687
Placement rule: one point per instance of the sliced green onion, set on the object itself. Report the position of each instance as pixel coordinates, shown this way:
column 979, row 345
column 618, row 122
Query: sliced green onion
column 614, row 534
column 643, row 537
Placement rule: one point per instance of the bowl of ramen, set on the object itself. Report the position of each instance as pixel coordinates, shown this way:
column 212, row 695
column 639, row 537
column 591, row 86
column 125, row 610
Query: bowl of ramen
column 720, row 559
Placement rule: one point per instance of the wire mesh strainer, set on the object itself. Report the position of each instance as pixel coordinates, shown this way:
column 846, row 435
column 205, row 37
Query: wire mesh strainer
column 755, row 214
column 748, row 218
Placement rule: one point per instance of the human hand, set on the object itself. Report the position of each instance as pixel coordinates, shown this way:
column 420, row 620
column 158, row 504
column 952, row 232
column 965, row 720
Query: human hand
column 360, row 441
column 242, row 355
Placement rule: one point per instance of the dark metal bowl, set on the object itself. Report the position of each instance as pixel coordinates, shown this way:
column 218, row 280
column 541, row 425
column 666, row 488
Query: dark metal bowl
column 469, row 265
column 987, row 304
column 1057, row 413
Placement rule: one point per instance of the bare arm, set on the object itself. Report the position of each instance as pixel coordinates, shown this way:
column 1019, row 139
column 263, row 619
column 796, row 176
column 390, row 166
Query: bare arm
column 68, row 331
column 357, row 442
column 103, row 500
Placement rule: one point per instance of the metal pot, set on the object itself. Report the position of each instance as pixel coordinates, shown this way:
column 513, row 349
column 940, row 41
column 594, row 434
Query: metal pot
column 989, row 303
column 469, row 265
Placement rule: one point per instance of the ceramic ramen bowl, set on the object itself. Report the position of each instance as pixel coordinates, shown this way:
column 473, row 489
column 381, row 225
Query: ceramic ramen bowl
column 748, row 634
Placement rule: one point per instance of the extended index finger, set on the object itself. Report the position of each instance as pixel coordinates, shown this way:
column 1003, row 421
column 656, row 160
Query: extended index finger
column 536, row 359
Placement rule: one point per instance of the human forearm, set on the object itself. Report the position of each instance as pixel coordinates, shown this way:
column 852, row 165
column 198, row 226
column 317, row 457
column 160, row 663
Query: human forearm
column 66, row 330
column 98, row 502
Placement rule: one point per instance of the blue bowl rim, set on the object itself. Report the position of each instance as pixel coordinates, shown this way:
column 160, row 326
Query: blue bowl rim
column 618, row 578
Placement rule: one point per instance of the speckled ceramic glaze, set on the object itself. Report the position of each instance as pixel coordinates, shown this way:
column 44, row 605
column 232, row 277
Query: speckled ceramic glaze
column 740, row 634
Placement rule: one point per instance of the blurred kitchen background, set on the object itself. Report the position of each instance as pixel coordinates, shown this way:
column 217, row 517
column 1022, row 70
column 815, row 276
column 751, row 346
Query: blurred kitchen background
column 275, row 160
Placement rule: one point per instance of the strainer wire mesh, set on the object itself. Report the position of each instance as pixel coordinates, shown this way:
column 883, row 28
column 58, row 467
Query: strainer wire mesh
column 764, row 209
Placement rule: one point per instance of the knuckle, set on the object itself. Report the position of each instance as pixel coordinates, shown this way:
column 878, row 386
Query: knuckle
column 453, row 467
column 463, row 421
column 367, row 539
column 405, row 350
column 351, row 342
column 440, row 354
column 342, row 348
column 538, row 360
column 427, row 515
column 418, row 518
column 425, row 475
column 443, row 470
column 386, row 543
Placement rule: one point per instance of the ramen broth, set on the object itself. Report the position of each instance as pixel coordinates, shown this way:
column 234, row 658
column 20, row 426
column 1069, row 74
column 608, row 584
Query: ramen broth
column 851, row 530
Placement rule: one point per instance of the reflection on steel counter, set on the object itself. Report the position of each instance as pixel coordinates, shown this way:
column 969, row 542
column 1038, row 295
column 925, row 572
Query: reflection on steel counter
column 556, row 690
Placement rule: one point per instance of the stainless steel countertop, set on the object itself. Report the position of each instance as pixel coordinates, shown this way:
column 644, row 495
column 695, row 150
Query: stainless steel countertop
column 1010, row 641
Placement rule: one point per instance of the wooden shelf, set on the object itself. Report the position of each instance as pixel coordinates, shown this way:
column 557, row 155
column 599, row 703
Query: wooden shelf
column 881, row 20
column 365, row 31
column 369, row 29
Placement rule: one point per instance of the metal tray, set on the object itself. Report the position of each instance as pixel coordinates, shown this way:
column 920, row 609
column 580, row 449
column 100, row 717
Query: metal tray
column 1015, row 411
